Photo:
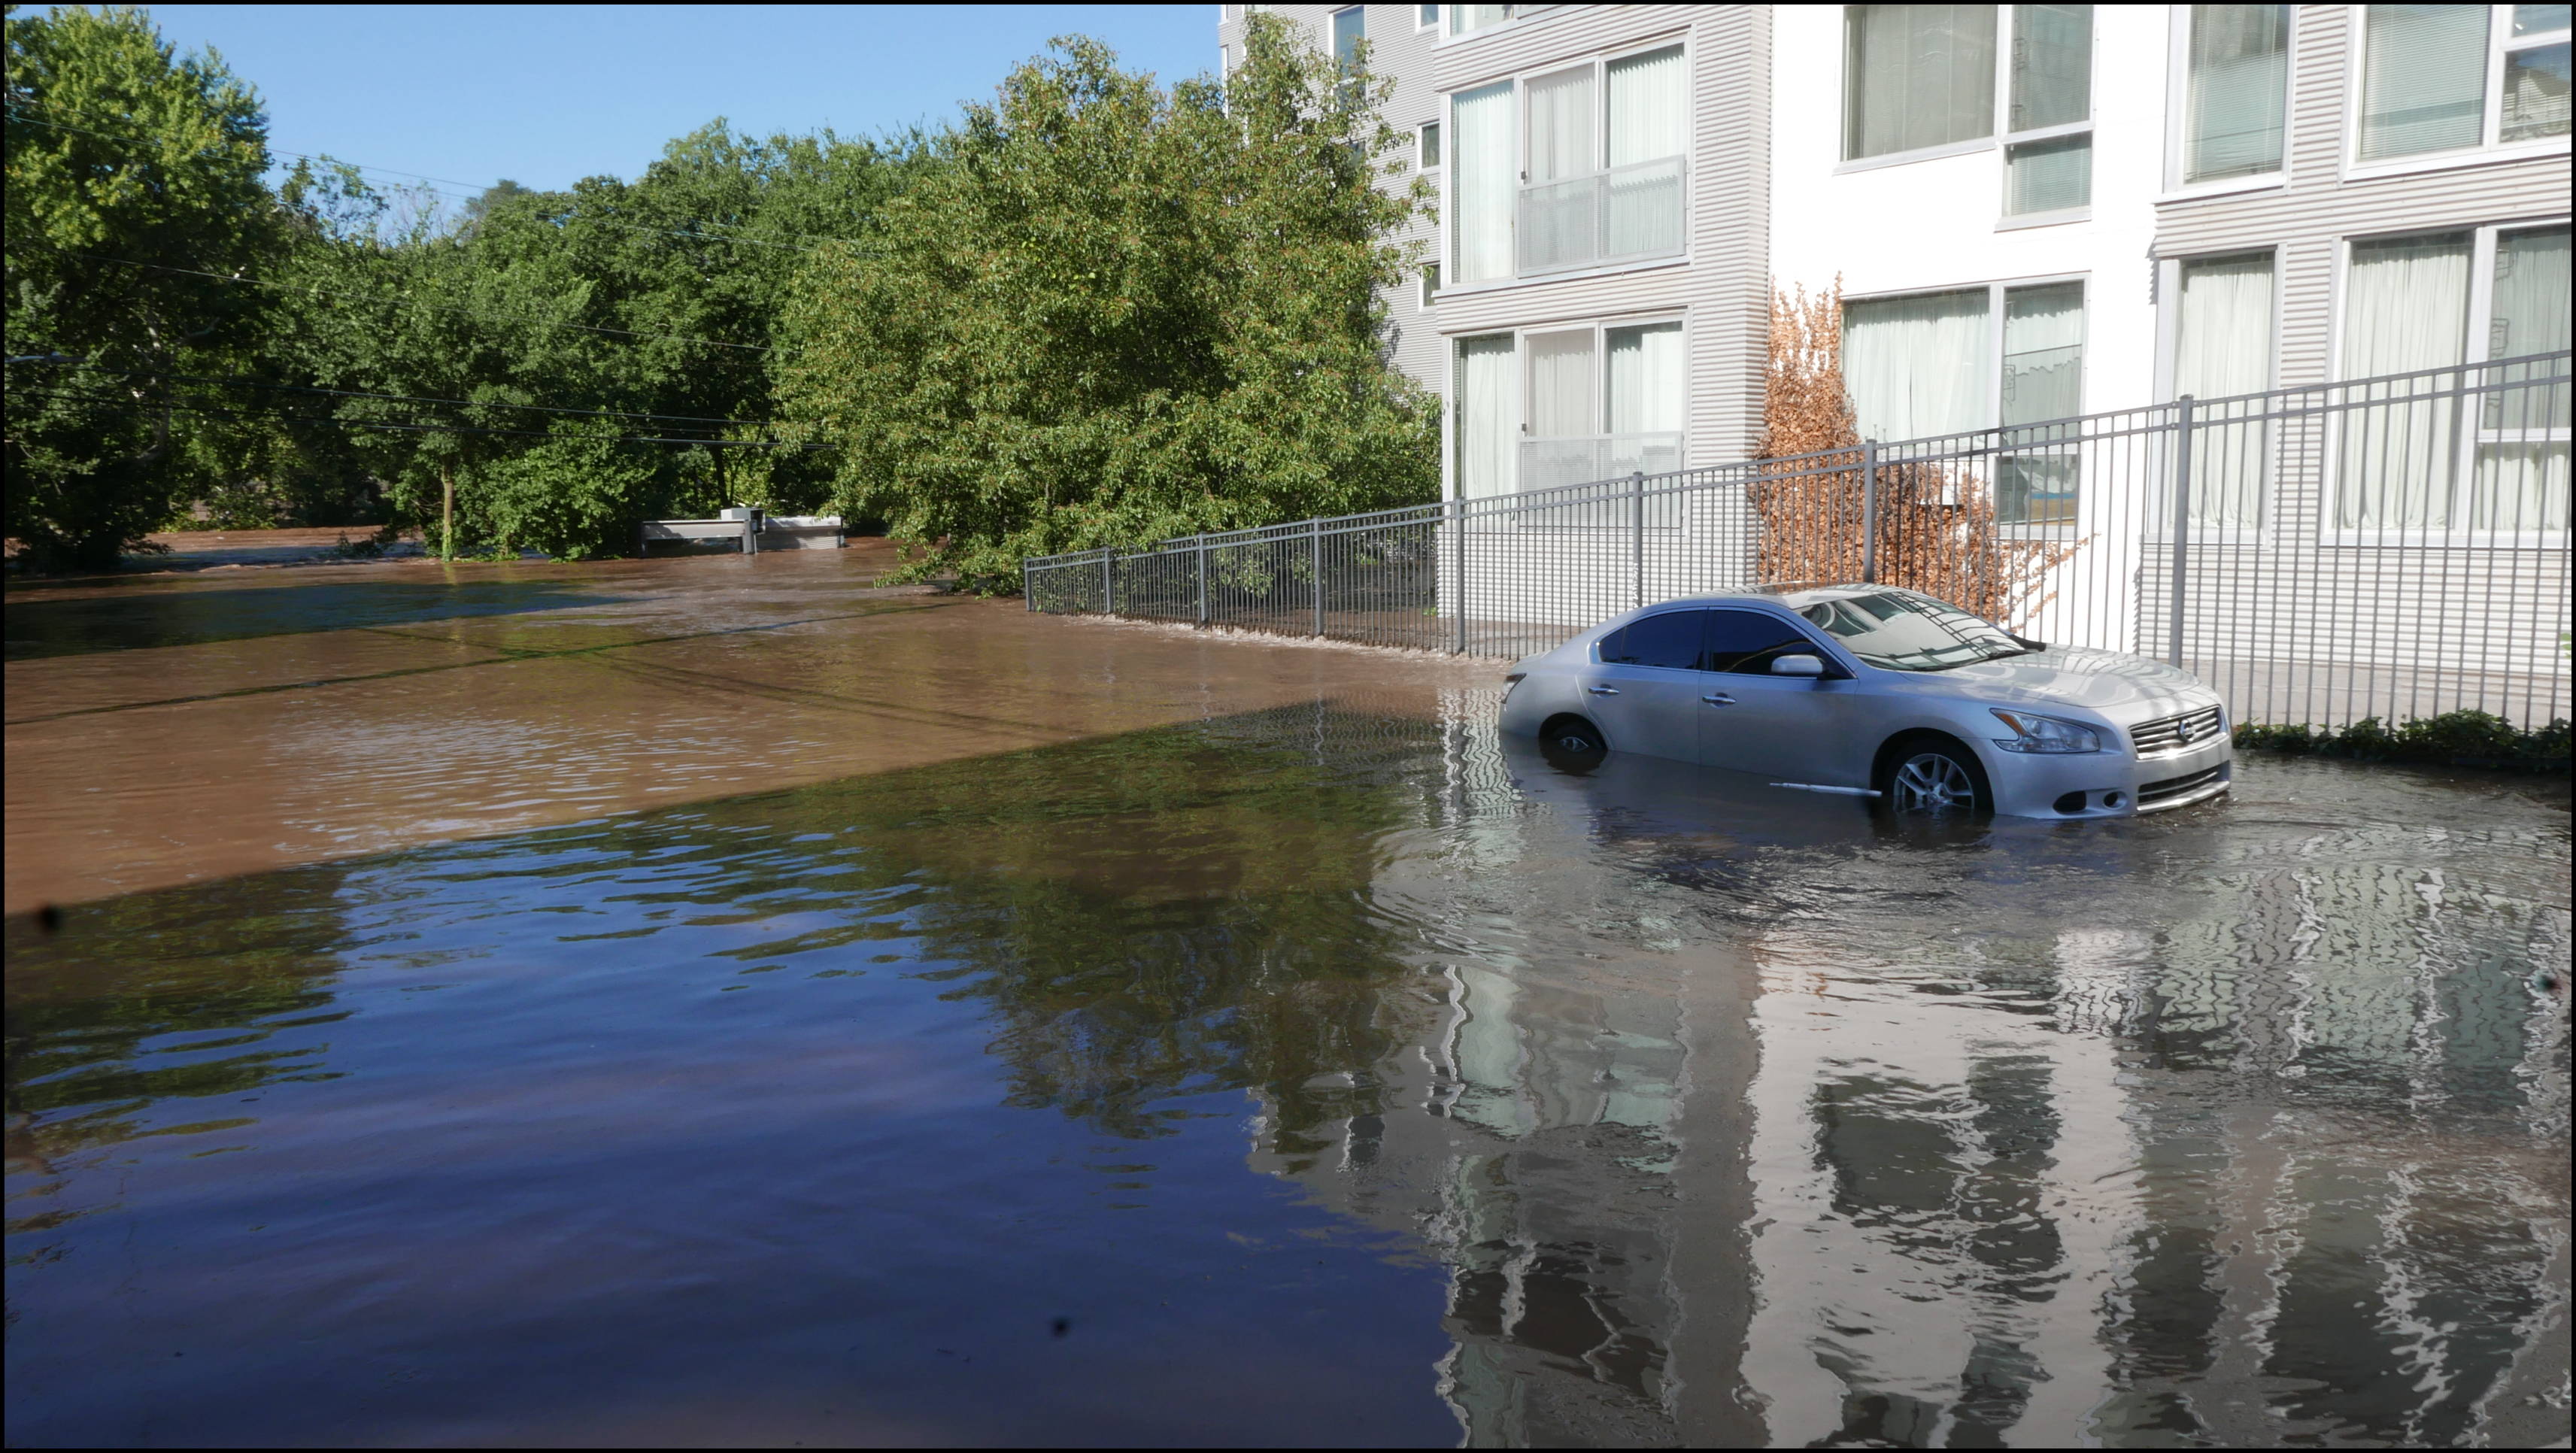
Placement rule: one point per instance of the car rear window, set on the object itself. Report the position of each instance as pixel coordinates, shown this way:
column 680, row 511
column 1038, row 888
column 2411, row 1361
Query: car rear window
column 1747, row 640
column 1670, row 640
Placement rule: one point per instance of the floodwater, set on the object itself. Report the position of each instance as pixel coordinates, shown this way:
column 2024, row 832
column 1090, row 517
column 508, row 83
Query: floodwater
column 738, row 1007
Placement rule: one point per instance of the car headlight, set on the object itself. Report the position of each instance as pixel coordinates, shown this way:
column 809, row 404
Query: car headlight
column 2045, row 733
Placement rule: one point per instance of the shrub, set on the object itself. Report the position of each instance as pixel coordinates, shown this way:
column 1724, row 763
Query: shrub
column 2453, row 739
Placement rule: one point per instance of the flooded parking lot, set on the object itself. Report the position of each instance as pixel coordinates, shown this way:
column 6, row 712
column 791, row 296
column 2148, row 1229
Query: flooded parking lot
column 715, row 1001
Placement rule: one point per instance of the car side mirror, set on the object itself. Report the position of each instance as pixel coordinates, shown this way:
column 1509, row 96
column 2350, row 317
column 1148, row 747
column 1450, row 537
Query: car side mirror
column 1797, row 666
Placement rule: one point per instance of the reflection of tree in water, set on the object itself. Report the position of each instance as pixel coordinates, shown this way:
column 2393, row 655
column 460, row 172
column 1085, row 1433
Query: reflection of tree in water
column 239, row 960
column 1151, row 916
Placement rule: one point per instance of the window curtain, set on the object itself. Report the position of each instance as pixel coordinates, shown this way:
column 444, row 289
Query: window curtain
column 2223, row 347
column 1648, row 399
column 1916, row 76
column 1646, row 379
column 2522, row 479
column 1488, row 406
column 1481, row 182
column 1561, row 371
column 2423, row 79
column 2233, row 103
column 2406, row 306
column 1561, row 117
column 1918, row 366
column 1646, row 107
column 1648, row 124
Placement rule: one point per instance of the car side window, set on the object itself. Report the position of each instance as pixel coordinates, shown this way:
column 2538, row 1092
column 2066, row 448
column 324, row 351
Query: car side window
column 1670, row 640
column 1746, row 642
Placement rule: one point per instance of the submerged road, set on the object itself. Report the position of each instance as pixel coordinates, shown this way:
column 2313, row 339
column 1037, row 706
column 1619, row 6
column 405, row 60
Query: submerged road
column 723, row 1002
column 169, row 729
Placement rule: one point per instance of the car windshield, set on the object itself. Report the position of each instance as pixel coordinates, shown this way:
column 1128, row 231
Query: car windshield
column 1897, row 630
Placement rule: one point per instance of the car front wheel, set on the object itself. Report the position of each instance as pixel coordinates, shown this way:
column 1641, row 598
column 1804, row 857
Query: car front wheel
column 1935, row 779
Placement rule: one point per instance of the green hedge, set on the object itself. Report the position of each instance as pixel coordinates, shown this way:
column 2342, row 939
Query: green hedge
column 2453, row 739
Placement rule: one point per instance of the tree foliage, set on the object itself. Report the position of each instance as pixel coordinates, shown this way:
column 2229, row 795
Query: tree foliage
column 133, row 186
column 1095, row 310
column 1116, row 312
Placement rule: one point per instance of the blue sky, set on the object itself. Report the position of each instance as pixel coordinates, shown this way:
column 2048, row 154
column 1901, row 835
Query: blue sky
column 546, row 95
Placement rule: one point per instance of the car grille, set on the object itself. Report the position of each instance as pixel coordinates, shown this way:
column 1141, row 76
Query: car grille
column 2182, row 786
column 2172, row 734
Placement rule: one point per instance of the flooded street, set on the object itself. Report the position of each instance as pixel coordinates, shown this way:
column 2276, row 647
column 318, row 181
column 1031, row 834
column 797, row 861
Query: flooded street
column 723, row 1001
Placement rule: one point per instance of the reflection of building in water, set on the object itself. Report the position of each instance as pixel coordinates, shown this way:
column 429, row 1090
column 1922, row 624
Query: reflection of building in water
column 2282, row 1162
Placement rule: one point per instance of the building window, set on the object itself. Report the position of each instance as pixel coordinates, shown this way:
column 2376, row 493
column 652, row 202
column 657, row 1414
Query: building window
column 1483, row 185
column 1430, row 284
column 1487, row 409
column 2048, row 137
column 1602, row 403
column 1464, row 19
column 2426, row 70
column 1427, row 145
column 2236, row 91
column 1916, row 77
column 2223, row 323
column 1426, row 17
column 1955, row 362
column 1593, row 173
column 1350, row 27
column 1566, row 406
column 1601, row 163
column 2407, row 307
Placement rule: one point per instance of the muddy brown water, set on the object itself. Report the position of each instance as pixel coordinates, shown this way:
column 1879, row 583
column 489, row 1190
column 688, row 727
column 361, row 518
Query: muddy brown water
column 718, row 1001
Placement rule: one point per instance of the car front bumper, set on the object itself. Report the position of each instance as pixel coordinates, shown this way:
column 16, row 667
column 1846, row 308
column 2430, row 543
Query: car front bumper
column 2108, row 784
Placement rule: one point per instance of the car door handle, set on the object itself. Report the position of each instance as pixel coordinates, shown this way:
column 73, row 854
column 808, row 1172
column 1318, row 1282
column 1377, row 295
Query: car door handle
column 1719, row 699
column 1603, row 690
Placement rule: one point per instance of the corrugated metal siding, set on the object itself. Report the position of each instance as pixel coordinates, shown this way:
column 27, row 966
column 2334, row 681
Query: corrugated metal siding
column 2310, row 217
column 1722, row 289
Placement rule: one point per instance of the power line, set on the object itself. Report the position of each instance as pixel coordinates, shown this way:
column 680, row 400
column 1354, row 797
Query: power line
column 590, row 219
column 237, row 278
column 237, row 381
column 218, row 411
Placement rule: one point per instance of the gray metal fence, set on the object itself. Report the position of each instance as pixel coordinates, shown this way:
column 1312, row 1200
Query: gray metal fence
column 2393, row 547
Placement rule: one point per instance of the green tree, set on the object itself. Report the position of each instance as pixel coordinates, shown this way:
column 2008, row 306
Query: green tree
column 133, row 191
column 1114, row 312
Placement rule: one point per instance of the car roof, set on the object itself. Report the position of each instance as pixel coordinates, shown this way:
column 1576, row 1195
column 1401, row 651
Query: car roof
column 1796, row 596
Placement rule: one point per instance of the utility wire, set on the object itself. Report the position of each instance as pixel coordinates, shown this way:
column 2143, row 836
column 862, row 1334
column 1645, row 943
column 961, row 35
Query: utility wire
column 218, row 411
column 238, row 381
column 237, row 278
column 588, row 219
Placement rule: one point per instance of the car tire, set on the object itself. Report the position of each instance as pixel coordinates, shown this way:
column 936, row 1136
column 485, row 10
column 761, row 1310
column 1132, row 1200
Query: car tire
column 1572, row 744
column 1934, row 777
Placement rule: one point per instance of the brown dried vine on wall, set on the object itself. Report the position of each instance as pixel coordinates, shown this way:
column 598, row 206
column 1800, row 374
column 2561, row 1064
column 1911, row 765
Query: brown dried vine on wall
column 1936, row 523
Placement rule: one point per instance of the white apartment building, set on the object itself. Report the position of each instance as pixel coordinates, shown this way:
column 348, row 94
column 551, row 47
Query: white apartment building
column 2034, row 211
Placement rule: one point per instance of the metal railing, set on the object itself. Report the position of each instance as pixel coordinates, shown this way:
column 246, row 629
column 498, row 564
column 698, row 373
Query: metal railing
column 1621, row 214
column 2393, row 547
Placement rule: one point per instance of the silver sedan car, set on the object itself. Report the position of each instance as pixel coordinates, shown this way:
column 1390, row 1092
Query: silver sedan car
column 1875, row 691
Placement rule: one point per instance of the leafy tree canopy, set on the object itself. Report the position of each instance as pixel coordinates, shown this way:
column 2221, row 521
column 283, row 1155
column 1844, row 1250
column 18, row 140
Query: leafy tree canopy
column 1116, row 312
column 133, row 188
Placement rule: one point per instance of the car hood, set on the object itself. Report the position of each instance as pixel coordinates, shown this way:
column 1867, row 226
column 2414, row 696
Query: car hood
column 2123, row 687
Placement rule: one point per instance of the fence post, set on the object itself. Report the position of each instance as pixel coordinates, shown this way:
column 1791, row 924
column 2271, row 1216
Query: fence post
column 1458, row 596
column 1637, row 538
column 1108, row 596
column 1202, row 554
column 2181, row 526
column 1315, row 561
column 1028, row 595
column 1869, row 512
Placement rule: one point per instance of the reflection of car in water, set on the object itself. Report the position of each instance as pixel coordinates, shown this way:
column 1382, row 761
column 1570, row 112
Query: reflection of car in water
column 1869, row 689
